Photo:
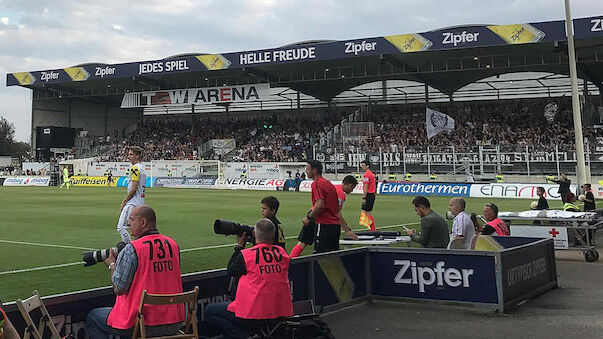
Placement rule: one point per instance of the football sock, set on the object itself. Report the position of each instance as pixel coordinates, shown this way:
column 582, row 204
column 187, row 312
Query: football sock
column 296, row 251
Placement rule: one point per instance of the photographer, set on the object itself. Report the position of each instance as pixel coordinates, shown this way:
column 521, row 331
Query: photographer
column 263, row 292
column 151, row 262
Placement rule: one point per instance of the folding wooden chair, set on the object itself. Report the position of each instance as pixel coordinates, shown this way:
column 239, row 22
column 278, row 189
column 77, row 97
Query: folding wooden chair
column 187, row 298
column 26, row 307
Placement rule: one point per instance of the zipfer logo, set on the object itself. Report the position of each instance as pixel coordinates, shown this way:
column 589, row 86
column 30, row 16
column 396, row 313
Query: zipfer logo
column 412, row 274
column 455, row 39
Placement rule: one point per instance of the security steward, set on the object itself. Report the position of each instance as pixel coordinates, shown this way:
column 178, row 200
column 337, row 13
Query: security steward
column 570, row 204
column 408, row 176
column 433, row 177
column 499, row 178
column 151, row 262
column 263, row 293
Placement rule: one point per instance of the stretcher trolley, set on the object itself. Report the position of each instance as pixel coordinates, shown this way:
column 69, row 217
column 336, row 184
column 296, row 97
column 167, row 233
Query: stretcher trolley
column 569, row 230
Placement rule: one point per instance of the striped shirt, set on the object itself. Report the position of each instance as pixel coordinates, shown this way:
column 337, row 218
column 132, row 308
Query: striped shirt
column 463, row 226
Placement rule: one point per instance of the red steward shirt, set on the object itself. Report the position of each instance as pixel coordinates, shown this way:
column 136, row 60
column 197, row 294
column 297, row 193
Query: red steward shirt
column 340, row 196
column 369, row 178
column 324, row 189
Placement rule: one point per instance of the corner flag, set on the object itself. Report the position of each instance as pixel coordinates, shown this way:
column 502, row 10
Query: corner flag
column 436, row 122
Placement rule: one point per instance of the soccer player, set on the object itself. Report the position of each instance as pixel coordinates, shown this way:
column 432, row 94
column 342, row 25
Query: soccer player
column 369, row 189
column 135, row 195
column 308, row 232
column 66, row 178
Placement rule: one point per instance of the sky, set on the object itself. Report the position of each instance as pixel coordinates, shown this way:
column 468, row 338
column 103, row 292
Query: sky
column 37, row 35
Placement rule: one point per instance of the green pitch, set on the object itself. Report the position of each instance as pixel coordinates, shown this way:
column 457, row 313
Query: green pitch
column 45, row 226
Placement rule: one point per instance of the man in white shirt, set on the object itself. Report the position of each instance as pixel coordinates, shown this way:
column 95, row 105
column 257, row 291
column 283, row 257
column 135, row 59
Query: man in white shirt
column 462, row 226
column 136, row 192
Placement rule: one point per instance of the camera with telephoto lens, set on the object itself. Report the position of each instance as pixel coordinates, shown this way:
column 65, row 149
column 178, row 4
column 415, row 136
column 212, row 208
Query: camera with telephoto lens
column 94, row 257
column 232, row 228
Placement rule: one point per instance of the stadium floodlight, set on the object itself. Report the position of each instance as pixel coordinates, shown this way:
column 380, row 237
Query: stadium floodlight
column 575, row 100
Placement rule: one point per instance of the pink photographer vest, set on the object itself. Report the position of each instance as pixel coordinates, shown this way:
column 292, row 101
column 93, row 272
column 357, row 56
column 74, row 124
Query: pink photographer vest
column 264, row 293
column 500, row 226
column 158, row 272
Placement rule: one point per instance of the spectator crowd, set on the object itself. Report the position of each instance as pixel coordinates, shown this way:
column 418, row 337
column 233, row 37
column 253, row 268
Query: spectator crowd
column 510, row 124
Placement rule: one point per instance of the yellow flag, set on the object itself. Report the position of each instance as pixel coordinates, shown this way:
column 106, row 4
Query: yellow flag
column 364, row 220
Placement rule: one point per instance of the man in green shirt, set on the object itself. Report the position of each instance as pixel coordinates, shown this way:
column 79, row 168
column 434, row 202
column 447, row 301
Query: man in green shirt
column 66, row 178
column 434, row 229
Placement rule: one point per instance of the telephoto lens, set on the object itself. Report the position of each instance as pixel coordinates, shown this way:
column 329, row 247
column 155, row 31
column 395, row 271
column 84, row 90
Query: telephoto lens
column 94, row 257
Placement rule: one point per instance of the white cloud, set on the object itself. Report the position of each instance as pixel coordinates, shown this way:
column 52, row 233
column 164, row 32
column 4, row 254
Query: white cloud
column 73, row 32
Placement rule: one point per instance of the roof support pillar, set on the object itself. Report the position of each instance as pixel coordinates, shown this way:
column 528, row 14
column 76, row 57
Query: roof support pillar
column 426, row 94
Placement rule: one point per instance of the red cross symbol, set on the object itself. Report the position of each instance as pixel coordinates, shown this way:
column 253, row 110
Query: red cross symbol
column 553, row 233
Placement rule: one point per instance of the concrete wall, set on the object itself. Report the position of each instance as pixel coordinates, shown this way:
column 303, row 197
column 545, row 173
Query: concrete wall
column 95, row 118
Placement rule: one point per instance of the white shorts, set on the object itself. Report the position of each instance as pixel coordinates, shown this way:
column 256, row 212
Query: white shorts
column 123, row 217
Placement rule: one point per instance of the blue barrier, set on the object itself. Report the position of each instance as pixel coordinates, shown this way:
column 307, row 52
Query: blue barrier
column 428, row 189
column 495, row 280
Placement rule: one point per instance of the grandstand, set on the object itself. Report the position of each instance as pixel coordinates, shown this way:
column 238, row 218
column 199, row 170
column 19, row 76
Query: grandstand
column 298, row 103
column 247, row 121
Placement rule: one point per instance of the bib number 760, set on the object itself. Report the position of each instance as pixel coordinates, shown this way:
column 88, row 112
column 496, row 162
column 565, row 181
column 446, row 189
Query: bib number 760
column 269, row 255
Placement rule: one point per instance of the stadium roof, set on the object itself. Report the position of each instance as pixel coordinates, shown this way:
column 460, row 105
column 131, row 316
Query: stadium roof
column 446, row 60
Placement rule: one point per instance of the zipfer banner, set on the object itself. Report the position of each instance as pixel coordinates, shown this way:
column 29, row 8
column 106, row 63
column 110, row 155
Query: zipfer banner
column 443, row 39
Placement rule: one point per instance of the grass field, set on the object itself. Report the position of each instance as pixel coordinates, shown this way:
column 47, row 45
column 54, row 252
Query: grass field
column 45, row 226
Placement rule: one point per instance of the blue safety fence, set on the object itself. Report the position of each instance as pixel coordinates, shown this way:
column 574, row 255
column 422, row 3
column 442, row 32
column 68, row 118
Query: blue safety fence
column 496, row 280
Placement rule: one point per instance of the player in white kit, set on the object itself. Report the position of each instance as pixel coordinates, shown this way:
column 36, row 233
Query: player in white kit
column 135, row 195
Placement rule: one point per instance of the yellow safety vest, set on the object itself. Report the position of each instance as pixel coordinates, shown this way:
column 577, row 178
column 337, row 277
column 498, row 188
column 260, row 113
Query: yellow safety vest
column 392, row 177
column 500, row 178
column 408, row 176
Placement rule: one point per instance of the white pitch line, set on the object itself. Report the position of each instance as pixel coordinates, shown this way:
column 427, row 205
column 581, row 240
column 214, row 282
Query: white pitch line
column 185, row 250
column 41, row 268
column 46, row 245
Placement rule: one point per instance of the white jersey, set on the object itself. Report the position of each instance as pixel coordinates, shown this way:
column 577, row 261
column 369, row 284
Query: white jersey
column 137, row 174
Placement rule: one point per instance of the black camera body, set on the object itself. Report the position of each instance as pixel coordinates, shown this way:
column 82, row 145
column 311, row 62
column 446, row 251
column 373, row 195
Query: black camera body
column 232, row 228
column 94, row 257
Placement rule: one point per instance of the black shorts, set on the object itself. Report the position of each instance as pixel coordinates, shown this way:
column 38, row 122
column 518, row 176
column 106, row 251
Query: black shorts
column 369, row 203
column 326, row 236
column 307, row 233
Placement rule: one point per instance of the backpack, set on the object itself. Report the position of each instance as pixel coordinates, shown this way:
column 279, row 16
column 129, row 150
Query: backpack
column 312, row 328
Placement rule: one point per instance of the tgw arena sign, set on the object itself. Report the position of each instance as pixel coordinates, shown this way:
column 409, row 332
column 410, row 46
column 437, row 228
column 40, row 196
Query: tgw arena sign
column 197, row 96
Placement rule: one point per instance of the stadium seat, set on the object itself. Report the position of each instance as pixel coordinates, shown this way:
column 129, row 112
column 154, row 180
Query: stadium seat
column 26, row 307
column 474, row 241
column 455, row 244
column 187, row 298
column 487, row 243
